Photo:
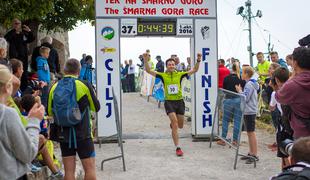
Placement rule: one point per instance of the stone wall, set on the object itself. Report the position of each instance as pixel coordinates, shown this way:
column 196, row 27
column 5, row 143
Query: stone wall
column 60, row 43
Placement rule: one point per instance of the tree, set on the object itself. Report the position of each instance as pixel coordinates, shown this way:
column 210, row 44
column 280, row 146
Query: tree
column 51, row 14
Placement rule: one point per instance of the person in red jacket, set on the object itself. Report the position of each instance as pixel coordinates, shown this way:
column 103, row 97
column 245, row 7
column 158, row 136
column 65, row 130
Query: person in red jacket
column 223, row 72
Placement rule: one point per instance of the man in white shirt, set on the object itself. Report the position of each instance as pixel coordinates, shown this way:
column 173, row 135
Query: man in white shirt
column 131, row 76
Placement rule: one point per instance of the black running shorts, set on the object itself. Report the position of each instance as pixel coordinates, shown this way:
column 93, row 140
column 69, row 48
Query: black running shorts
column 249, row 122
column 176, row 106
column 85, row 149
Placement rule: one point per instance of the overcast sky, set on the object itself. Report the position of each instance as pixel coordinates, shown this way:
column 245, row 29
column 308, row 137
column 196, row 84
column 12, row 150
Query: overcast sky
column 285, row 21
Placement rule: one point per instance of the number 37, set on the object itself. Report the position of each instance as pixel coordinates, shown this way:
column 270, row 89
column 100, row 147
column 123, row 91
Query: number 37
column 127, row 29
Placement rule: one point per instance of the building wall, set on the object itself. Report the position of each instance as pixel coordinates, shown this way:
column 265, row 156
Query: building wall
column 60, row 43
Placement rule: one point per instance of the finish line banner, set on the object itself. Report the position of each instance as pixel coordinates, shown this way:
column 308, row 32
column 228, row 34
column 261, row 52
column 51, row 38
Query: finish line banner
column 108, row 74
column 156, row 8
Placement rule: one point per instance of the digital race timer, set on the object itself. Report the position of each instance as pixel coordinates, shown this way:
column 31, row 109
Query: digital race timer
column 156, row 28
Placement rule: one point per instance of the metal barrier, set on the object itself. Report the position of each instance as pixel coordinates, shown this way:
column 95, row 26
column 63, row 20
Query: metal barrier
column 119, row 135
column 229, row 108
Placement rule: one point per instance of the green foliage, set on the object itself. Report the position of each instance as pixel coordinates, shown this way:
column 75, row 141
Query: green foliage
column 52, row 14
column 266, row 118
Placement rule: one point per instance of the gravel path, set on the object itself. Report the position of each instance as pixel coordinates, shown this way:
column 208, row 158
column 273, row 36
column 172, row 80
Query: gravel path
column 150, row 153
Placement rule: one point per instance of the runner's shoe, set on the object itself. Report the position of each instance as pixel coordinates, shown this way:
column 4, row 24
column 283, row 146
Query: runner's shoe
column 57, row 175
column 179, row 152
column 35, row 168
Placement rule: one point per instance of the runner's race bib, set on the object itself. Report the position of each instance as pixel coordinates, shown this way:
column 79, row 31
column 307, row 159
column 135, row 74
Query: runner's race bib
column 173, row 89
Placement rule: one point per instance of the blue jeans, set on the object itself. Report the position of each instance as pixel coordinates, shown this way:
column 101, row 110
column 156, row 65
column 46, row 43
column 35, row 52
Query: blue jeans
column 231, row 109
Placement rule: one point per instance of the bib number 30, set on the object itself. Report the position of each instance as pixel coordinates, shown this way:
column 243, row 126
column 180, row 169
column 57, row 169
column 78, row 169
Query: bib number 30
column 173, row 89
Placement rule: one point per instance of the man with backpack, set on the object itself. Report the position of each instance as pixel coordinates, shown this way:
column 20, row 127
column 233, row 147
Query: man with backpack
column 300, row 160
column 70, row 102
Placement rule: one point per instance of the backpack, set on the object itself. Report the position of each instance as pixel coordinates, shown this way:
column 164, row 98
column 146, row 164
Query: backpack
column 294, row 175
column 65, row 107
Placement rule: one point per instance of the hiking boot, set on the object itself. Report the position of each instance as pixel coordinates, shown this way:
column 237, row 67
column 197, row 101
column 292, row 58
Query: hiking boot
column 179, row 152
column 57, row 175
column 251, row 159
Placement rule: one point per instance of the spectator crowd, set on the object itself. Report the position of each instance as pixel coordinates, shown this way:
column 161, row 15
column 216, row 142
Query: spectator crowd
column 35, row 111
column 284, row 86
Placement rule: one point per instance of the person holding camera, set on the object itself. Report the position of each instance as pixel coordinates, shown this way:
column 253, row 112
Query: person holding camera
column 283, row 129
column 296, row 93
column 18, row 39
column 300, row 160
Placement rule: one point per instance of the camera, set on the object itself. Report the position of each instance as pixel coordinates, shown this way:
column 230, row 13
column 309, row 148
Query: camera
column 34, row 85
column 305, row 41
column 286, row 146
column 273, row 81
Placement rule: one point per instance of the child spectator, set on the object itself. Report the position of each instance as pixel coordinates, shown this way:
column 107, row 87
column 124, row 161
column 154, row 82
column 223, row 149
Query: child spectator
column 44, row 72
column 17, row 70
column 250, row 92
column 280, row 76
column 27, row 103
column 17, row 67
column 269, row 95
column 289, row 60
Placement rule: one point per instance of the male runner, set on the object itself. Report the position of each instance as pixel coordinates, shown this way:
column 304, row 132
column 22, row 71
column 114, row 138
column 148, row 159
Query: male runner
column 174, row 104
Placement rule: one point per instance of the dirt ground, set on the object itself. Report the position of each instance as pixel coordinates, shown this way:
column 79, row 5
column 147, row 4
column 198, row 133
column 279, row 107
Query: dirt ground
column 150, row 153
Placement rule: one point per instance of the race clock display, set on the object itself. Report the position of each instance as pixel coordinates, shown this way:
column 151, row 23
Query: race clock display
column 156, row 28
